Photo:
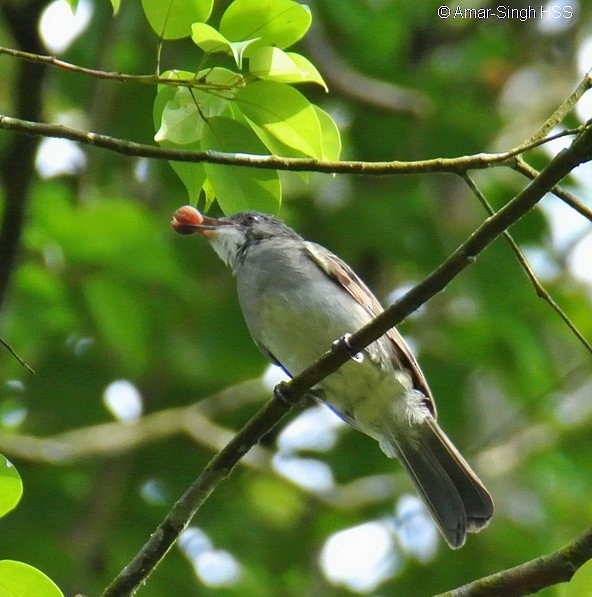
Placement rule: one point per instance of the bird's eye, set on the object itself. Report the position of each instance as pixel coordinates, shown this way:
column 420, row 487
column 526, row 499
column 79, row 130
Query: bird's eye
column 250, row 219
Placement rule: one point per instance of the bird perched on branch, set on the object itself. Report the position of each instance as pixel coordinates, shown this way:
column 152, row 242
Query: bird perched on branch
column 297, row 298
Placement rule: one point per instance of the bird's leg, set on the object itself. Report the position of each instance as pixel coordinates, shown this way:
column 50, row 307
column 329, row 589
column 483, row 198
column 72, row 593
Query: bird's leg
column 279, row 393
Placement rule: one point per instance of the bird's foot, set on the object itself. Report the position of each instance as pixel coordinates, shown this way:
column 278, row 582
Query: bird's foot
column 343, row 344
column 281, row 392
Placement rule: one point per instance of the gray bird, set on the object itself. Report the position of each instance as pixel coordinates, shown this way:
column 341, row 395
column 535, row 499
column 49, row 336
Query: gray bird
column 297, row 298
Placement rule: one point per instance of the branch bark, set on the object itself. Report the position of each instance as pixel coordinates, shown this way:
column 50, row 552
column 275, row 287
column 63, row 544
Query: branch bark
column 139, row 568
column 458, row 165
column 531, row 576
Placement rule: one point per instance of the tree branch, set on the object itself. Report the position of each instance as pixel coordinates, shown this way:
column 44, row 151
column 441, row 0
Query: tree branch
column 220, row 466
column 16, row 356
column 563, row 110
column 531, row 576
column 270, row 162
column 136, row 572
column 527, row 170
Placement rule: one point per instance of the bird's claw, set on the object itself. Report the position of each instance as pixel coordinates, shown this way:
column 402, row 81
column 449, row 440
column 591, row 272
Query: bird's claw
column 279, row 393
column 343, row 343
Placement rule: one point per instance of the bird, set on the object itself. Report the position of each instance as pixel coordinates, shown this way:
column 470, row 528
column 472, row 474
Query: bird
column 297, row 298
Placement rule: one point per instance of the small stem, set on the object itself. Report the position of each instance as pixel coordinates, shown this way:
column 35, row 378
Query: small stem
column 16, row 356
column 527, row 170
column 540, row 290
column 563, row 110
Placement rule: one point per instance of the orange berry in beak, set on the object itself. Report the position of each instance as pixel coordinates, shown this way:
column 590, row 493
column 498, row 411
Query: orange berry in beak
column 185, row 220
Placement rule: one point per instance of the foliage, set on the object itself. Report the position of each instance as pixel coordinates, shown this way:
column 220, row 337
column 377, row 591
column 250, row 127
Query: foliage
column 17, row 578
column 580, row 583
column 11, row 486
column 102, row 291
column 255, row 104
column 21, row 580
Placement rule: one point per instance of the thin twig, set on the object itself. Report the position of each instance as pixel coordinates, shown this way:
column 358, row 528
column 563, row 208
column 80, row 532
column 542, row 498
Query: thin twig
column 16, row 356
column 144, row 562
column 540, row 290
column 111, row 75
column 563, row 110
column 527, row 170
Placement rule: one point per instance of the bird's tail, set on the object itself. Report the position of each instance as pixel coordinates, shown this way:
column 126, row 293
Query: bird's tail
column 453, row 493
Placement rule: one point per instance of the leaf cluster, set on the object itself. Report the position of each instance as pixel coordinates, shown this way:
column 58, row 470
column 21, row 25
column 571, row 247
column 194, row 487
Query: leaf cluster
column 240, row 108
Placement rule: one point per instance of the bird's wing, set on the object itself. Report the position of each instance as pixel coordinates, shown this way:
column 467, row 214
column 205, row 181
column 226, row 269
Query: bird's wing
column 341, row 273
column 271, row 357
column 345, row 277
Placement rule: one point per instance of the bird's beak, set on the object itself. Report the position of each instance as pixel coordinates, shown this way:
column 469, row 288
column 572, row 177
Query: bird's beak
column 187, row 220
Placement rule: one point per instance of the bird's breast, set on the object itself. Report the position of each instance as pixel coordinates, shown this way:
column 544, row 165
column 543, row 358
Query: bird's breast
column 295, row 312
column 297, row 323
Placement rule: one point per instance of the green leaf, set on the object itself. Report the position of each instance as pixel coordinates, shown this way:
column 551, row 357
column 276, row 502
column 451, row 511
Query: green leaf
column 177, row 75
column 310, row 73
column 239, row 188
column 276, row 65
column 209, row 193
column 18, row 579
column 211, row 41
column 580, row 583
column 222, row 76
column 172, row 19
column 164, row 95
column 116, row 5
column 11, row 486
column 283, row 113
column 330, row 135
column 181, row 122
column 182, row 119
column 74, row 4
column 279, row 23
column 274, row 145
column 192, row 175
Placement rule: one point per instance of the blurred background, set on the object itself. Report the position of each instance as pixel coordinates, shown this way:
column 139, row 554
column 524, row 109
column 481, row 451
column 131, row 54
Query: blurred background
column 144, row 367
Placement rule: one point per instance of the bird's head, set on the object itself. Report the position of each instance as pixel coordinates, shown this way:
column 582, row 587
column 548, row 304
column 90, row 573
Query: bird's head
column 231, row 236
